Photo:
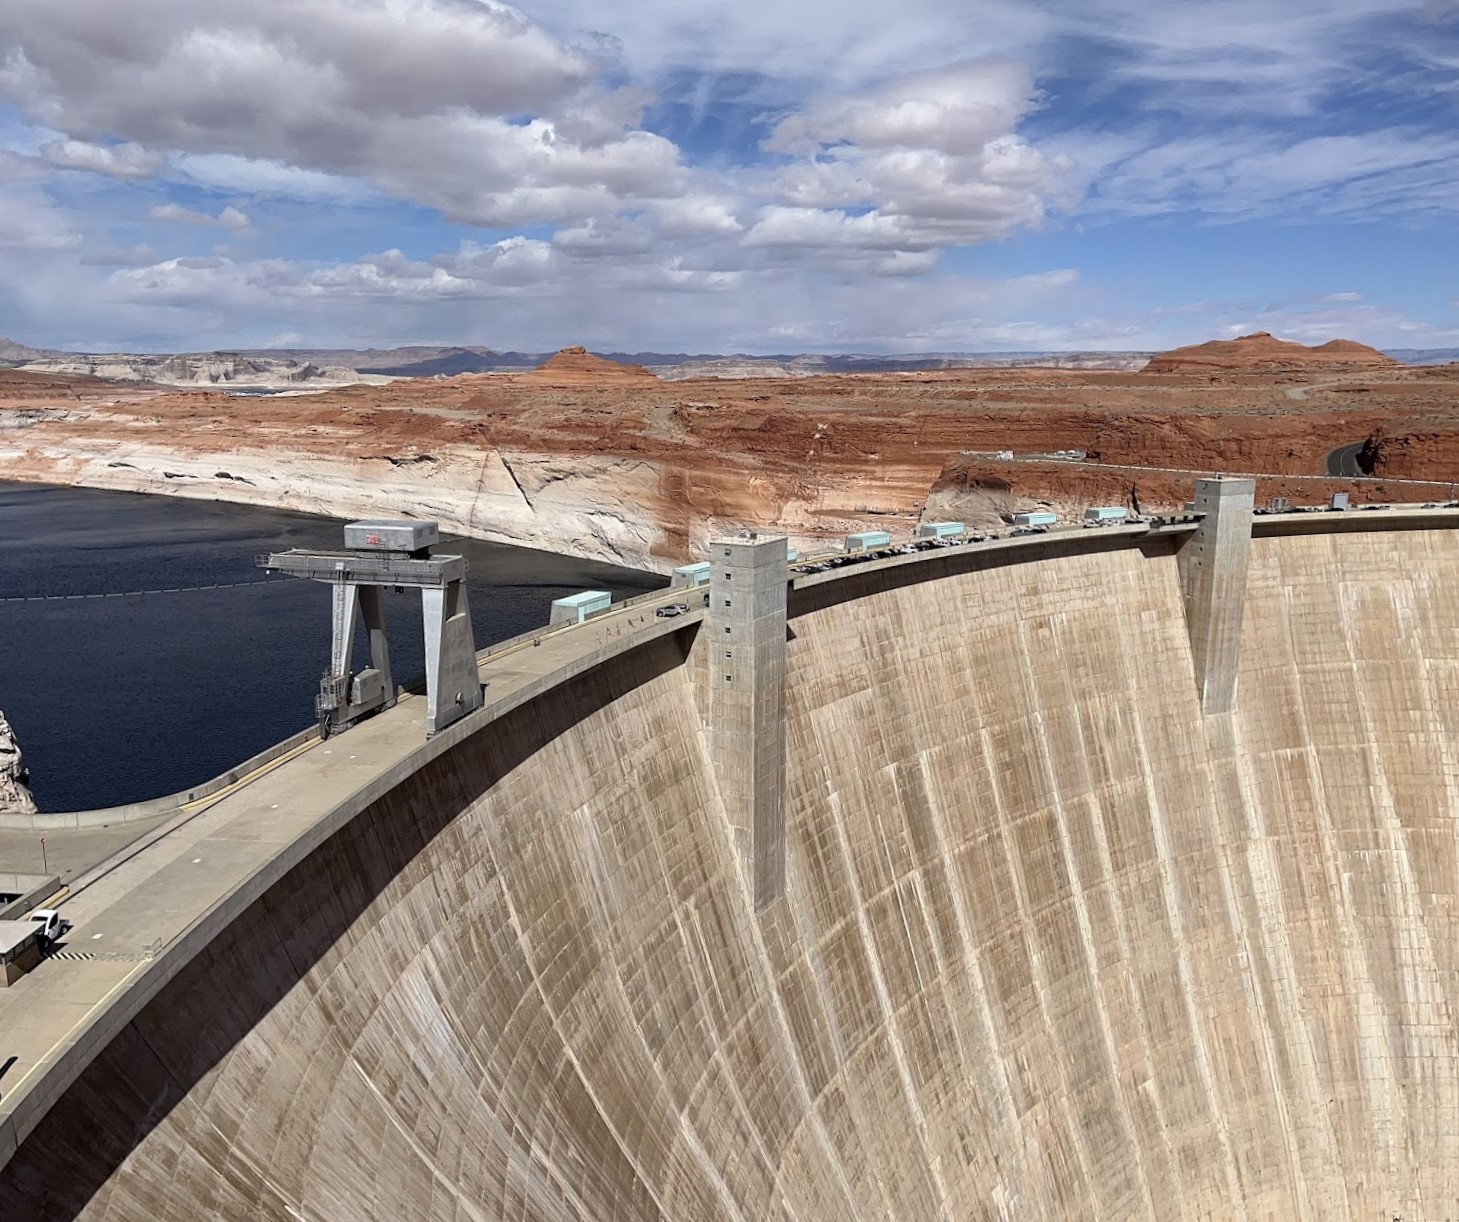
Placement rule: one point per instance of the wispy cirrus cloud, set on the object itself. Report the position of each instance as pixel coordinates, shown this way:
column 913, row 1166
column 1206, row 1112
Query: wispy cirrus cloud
column 269, row 178
column 141, row 255
column 1248, row 172
column 229, row 218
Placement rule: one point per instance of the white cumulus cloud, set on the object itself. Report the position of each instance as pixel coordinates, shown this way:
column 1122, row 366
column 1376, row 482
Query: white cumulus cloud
column 463, row 105
column 534, row 295
column 958, row 108
column 818, row 183
column 116, row 161
column 927, row 161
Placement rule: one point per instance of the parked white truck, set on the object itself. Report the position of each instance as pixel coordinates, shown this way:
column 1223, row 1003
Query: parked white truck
column 50, row 925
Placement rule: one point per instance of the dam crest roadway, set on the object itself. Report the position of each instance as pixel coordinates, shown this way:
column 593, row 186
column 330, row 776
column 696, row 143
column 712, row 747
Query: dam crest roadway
column 1106, row 873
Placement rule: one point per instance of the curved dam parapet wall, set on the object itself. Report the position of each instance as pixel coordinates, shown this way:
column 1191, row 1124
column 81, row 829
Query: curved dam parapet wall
column 1054, row 943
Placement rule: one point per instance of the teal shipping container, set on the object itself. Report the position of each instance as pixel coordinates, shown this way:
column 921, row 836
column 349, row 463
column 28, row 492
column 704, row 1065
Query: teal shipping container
column 574, row 608
column 867, row 540
column 691, row 575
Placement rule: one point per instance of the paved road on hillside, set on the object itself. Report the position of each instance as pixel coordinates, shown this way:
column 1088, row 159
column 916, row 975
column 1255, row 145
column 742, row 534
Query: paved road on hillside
column 1344, row 460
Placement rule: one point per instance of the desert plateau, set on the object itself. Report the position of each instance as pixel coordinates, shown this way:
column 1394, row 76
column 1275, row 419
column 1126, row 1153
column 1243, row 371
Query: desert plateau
column 606, row 460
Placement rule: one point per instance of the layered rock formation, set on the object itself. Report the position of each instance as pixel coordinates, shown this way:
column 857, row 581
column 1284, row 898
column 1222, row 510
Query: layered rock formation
column 14, row 778
column 203, row 369
column 599, row 459
column 1262, row 352
column 576, row 365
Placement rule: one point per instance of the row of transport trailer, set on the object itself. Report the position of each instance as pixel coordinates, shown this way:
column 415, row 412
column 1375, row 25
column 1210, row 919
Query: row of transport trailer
column 861, row 545
column 868, row 544
column 1095, row 515
column 1099, row 515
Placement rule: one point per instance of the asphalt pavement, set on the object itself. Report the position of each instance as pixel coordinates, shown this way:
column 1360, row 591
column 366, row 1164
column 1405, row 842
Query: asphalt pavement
column 1343, row 461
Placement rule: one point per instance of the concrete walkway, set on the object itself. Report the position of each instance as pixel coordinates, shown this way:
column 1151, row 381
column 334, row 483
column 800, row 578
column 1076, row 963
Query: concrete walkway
column 70, row 851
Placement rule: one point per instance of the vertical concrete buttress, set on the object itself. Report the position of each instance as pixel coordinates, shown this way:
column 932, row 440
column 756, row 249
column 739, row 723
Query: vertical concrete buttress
column 1213, row 565
column 452, row 686
column 746, row 663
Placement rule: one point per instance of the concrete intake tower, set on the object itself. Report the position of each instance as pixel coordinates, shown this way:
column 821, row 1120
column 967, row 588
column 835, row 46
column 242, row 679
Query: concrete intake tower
column 1100, row 874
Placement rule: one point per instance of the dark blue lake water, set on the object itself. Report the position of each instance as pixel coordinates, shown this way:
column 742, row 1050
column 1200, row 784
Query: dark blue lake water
column 115, row 700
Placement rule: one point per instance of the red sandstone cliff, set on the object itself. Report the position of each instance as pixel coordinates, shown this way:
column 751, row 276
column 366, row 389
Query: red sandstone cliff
column 1264, row 353
column 605, row 461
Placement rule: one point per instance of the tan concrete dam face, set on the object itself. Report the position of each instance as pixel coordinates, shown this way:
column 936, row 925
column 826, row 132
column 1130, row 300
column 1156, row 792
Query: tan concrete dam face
column 1053, row 945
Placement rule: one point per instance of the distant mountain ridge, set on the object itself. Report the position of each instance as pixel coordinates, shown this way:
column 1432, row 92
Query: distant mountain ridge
column 1423, row 356
column 417, row 361
column 251, row 371
column 306, row 368
column 12, row 353
column 293, row 366
column 421, row 361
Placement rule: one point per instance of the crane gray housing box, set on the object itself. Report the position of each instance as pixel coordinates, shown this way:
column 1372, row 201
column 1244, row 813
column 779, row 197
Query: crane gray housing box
column 398, row 536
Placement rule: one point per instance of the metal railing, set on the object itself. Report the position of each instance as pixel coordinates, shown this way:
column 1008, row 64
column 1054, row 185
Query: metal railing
column 53, row 598
column 380, row 570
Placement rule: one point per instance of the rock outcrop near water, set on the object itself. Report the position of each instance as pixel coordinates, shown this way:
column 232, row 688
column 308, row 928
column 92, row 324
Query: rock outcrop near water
column 14, row 793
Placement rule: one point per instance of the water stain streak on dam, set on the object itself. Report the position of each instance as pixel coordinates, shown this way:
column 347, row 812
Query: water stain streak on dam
column 1054, row 944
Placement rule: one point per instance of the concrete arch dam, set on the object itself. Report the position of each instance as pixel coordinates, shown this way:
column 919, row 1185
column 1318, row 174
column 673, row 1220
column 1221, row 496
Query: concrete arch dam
column 1054, row 942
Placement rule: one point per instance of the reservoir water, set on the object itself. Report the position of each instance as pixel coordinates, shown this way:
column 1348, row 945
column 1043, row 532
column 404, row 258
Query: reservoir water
column 123, row 698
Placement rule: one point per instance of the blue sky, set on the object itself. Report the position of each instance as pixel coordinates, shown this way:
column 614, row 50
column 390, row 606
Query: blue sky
column 825, row 175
